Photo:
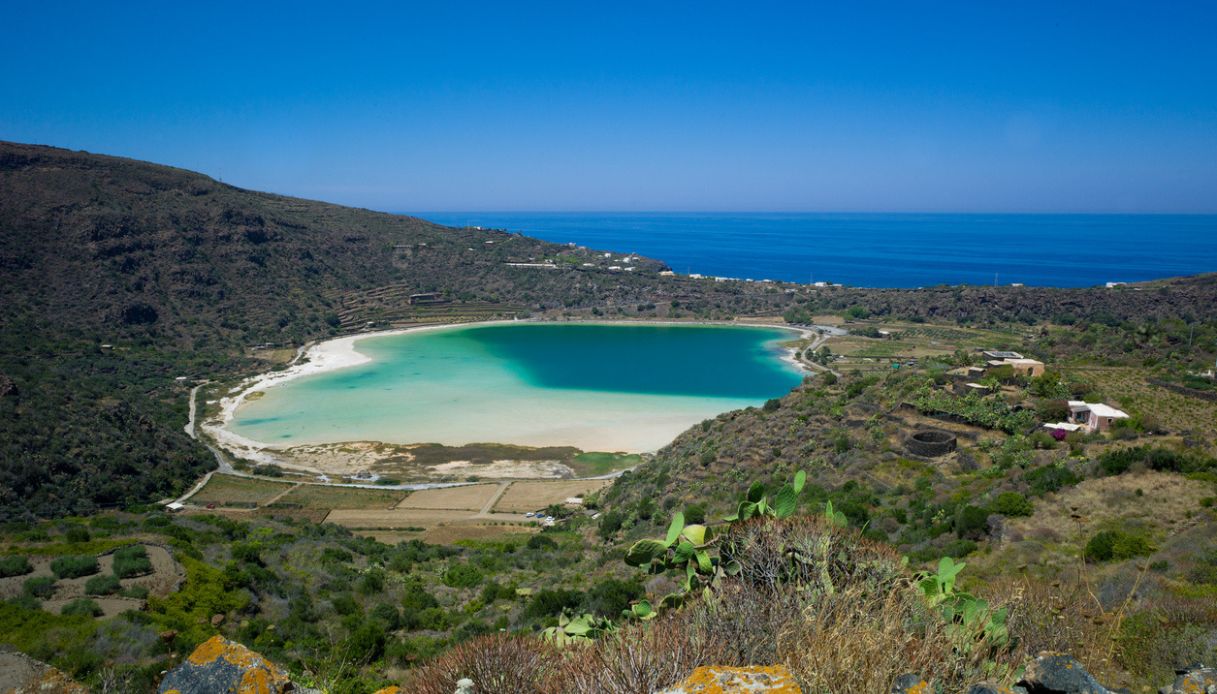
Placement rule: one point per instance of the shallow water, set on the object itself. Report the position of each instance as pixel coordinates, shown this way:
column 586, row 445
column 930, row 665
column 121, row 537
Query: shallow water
column 597, row 387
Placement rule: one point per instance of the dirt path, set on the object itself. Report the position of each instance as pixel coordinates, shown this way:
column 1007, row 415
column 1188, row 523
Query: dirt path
column 498, row 494
column 280, row 495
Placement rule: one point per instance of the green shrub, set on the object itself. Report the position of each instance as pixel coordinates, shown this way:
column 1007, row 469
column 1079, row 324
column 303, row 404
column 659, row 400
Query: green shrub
column 956, row 549
column 541, row 542
column 39, row 587
column 462, row 576
column 83, row 607
column 550, row 603
column 14, row 566
column 1050, row 478
column 77, row 533
column 971, row 522
column 132, row 561
column 105, row 584
column 137, row 592
column 1116, row 545
column 1012, row 504
column 75, row 566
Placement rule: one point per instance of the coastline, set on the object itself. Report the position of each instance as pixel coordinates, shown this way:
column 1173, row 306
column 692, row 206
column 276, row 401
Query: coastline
column 340, row 353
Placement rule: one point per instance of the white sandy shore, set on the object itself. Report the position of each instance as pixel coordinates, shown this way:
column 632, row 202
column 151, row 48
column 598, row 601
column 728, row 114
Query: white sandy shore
column 341, row 353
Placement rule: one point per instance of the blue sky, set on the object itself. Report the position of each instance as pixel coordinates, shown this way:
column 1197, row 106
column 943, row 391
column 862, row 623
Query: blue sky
column 901, row 106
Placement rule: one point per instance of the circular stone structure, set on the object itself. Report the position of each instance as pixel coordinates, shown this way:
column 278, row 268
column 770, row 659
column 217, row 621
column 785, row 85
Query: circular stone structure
column 930, row 443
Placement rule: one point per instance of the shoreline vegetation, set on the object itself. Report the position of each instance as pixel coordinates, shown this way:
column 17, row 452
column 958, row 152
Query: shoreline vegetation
column 341, row 353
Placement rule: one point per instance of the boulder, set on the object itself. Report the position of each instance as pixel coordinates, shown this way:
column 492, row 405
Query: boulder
column 911, row 684
column 1055, row 673
column 1196, row 679
column 219, row 665
column 985, row 688
column 714, row 679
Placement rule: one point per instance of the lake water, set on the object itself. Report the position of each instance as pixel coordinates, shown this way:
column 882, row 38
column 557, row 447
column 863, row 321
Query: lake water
column 596, row 387
column 888, row 250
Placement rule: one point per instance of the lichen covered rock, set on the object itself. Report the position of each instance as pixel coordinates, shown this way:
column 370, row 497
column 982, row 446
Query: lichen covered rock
column 220, row 666
column 775, row 679
column 1194, row 680
column 1056, row 673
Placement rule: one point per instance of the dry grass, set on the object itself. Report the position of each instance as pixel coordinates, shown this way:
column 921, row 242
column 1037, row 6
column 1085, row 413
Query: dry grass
column 521, row 497
column 313, row 496
column 1127, row 388
column 396, row 518
column 230, row 490
column 470, row 497
column 501, row 664
column 1163, row 503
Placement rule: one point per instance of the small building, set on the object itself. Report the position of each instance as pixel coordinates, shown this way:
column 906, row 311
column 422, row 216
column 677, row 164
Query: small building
column 1094, row 416
column 1000, row 355
column 426, row 298
column 1026, row 367
column 174, row 506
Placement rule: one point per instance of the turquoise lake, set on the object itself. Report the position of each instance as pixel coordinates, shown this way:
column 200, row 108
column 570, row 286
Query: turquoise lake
column 597, row 387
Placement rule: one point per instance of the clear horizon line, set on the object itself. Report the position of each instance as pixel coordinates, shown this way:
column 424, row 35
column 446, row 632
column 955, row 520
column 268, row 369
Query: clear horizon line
column 823, row 212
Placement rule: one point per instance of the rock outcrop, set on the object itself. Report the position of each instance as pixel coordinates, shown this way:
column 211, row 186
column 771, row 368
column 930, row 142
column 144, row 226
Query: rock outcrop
column 714, row 679
column 221, row 666
column 1197, row 679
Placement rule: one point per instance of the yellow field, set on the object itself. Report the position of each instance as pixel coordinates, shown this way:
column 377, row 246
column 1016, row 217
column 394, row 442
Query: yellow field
column 521, row 497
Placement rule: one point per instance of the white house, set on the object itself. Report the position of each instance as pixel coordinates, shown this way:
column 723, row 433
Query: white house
column 1094, row 416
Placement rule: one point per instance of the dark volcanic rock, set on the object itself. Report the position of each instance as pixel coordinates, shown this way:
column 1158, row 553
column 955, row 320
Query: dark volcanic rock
column 219, row 665
column 1197, row 679
column 1054, row 673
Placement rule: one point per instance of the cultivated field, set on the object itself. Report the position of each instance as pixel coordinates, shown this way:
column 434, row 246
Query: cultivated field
column 521, row 497
column 472, row 497
column 230, row 490
column 313, row 496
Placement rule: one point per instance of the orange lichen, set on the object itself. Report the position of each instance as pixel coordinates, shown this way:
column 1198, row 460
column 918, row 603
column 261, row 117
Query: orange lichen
column 259, row 676
column 921, row 687
column 774, row 679
column 390, row 690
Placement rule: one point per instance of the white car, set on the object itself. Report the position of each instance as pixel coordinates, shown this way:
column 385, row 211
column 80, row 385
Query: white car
column 530, row 514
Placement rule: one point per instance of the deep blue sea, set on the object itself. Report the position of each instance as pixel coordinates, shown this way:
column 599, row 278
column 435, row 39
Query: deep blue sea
column 887, row 250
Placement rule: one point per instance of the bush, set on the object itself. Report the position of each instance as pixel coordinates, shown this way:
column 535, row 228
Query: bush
column 105, row 584
column 1012, row 504
column 75, row 566
column 610, row 597
column 77, row 533
column 971, row 522
column 137, row 592
column 39, row 587
column 541, row 542
column 550, row 603
column 610, row 523
column 14, row 566
column 1116, row 545
column 772, row 405
column 132, row 561
column 462, row 576
column 1050, row 478
column 83, row 607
